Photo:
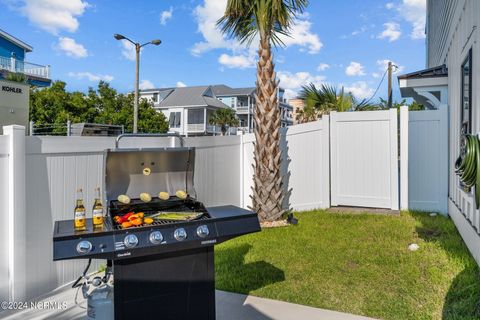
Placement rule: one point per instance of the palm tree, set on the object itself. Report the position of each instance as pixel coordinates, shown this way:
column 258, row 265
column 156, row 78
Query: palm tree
column 269, row 19
column 326, row 98
column 224, row 117
column 307, row 114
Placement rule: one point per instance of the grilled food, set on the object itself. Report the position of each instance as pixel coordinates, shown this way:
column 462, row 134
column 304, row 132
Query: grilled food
column 145, row 197
column 181, row 194
column 123, row 199
column 164, row 195
column 177, row 216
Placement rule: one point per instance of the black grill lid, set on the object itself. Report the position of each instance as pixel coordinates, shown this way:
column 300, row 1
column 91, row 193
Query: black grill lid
column 135, row 171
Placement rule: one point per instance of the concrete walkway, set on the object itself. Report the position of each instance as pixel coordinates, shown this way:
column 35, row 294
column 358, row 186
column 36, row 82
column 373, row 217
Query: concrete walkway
column 230, row 306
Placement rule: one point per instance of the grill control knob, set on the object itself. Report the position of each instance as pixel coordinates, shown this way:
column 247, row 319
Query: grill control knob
column 156, row 237
column 202, row 231
column 180, row 234
column 130, row 241
column 84, row 247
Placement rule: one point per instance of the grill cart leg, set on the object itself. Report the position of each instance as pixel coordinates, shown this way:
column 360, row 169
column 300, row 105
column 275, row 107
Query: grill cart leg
column 177, row 286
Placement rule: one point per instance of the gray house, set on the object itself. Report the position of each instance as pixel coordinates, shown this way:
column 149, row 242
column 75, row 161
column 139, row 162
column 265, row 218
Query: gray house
column 243, row 101
column 187, row 108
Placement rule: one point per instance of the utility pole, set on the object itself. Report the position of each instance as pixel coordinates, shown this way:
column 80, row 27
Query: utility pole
column 390, row 85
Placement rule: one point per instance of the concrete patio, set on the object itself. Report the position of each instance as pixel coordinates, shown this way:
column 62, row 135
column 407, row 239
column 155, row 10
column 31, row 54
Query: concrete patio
column 230, row 306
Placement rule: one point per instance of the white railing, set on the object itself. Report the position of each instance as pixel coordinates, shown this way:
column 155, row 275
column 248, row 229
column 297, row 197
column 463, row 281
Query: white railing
column 242, row 110
column 196, row 127
column 27, row 68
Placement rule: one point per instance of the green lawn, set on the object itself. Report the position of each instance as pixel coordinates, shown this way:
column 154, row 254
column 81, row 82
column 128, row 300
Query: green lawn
column 357, row 263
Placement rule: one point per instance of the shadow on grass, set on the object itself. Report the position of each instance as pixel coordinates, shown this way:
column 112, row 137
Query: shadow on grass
column 234, row 275
column 462, row 300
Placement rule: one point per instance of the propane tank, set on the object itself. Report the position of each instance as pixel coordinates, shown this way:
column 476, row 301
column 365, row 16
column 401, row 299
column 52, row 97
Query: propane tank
column 99, row 295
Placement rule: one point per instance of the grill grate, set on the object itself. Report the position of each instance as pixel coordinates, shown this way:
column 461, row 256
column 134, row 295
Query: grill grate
column 161, row 222
column 174, row 205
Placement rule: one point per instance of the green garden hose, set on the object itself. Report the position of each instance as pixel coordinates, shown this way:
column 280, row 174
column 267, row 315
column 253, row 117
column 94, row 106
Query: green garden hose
column 468, row 166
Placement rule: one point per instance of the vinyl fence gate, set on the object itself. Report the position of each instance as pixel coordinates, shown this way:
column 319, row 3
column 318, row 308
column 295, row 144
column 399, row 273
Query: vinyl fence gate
column 364, row 159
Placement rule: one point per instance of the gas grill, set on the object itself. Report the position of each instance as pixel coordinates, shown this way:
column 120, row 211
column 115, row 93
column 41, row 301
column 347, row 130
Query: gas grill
column 165, row 268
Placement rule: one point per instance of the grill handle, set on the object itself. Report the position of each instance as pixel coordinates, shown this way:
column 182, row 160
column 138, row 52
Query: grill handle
column 149, row 135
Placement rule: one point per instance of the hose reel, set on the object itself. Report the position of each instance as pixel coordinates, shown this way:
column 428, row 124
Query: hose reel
column 468, row 166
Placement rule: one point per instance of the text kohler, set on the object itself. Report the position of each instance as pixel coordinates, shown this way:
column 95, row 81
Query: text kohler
column 11, row 89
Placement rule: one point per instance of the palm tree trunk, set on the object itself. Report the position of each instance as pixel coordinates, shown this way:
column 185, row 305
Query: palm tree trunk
column 267, row 191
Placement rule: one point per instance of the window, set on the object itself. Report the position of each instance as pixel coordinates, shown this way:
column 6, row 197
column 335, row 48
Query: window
column 466, row 109
column 195, row 116
column 155, row 97
column 175, row 119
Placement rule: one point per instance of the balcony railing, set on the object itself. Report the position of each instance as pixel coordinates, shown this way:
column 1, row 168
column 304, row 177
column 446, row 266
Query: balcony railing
column 196, row 127
column 27, row 68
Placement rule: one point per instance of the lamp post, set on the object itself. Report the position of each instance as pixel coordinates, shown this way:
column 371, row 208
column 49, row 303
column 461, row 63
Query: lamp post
column 138, row 46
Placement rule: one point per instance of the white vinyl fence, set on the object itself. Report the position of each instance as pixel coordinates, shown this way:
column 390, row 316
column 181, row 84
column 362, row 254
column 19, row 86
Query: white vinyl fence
column 364, row 159
column 305, row 165
column 424, row 151
column 4, row 225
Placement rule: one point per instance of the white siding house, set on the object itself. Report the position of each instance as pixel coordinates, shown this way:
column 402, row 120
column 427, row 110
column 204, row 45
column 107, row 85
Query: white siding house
column 452, row 80
column 187, row 109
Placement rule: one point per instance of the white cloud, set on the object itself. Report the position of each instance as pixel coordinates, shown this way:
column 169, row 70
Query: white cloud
column 210, row 11
column 414, row 12
column 54, row 15
column 360, row 90
column 165, row 16
column 323, row 66
column 295, row 81
column 383, row 65
column 71, row 48
column 355, row 69
column 180, row 84
column 128, row 50
column 301, row 35
column 390, row 5
column 146, row 84
column 90, row 76
column 391, row 32
column 236, row 61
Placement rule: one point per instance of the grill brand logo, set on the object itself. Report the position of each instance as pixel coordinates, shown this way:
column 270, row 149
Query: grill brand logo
column 11, row 89
column 125, row 254
column 209, row 241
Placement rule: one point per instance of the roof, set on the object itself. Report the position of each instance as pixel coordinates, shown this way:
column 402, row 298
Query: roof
column 190, row 96
column 223, row 90
column 440, row 71
column 16, row 41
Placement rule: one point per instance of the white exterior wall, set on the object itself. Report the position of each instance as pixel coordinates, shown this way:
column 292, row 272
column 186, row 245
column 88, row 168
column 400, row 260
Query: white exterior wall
column 452, row 31
column 4, row 261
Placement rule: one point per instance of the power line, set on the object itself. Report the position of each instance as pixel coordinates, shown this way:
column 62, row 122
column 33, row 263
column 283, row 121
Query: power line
column 381, row 81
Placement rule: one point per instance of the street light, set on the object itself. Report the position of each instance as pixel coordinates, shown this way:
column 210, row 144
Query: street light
column 138, row 46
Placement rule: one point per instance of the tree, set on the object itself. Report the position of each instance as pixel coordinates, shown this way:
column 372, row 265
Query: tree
column 52, row 107
column 327, row 98
column 224, row 117
column 307, row 114
column 269, row 19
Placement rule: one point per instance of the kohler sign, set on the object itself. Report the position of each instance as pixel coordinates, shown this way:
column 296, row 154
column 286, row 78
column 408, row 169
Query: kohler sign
column 12, row 89
column 14, row 101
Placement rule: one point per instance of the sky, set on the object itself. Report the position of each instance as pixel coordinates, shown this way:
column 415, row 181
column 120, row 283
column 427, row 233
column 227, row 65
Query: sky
column 343, row 43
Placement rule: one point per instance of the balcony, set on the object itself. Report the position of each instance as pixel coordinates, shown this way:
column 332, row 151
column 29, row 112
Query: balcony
column 242, row 110
column 196, row 127
column 26, row 68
